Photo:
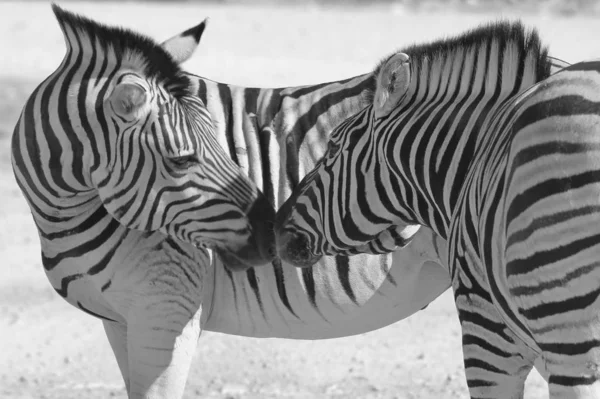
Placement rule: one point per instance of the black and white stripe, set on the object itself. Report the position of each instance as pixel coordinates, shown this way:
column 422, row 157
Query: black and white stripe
column 498, row 157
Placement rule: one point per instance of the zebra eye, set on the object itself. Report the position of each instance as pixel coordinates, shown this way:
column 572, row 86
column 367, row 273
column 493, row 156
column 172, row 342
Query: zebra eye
column 184, row 161
column 333, row 148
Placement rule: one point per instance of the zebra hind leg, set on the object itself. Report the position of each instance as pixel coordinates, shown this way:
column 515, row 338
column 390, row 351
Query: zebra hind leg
column 574, row 368
column 117, row 337
column 496, row 361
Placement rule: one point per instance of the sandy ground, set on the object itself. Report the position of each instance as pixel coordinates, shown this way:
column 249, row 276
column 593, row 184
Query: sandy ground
column 48, row 349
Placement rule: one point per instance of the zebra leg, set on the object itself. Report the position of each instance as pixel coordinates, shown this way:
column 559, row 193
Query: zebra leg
column 574, row 376
column 161, row 341
column 161, row 299
column 117, row 337
column 496, row 361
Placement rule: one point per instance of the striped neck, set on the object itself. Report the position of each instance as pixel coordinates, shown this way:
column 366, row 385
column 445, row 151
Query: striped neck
column 442, row 122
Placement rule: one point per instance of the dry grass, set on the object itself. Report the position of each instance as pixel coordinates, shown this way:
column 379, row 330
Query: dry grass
column 52, row 350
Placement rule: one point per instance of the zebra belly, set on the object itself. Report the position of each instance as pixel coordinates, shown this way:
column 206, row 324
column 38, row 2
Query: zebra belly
column 335, row 298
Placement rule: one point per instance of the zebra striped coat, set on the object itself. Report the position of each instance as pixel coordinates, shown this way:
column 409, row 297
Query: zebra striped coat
column 275, row 135
column 156, row 293
column 460, row 138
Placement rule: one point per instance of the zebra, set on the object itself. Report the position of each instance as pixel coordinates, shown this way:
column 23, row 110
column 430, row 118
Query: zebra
column 332, row 300
column 472, row 137
column 119, row 163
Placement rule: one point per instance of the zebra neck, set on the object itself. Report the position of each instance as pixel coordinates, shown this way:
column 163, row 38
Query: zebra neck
column 445, row 120
column 60, row 198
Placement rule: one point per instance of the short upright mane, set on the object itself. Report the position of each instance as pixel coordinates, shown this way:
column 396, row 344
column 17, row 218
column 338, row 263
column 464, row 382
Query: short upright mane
column 158, row 63
column 526, row 41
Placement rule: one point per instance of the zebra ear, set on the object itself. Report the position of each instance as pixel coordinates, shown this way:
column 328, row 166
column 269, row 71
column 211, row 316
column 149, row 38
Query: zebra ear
column 182, row 46
column 127, row 99
column 392, row 83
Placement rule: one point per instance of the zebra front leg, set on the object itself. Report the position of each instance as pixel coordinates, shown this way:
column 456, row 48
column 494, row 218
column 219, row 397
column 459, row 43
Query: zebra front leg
column 161, row 341
column 117, row 337
column 163, row 300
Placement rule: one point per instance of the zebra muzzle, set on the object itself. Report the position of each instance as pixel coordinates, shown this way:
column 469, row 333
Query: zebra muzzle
column 294, row 248
column 259, row 250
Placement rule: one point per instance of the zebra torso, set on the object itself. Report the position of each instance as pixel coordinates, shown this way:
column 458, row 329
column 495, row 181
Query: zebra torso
column 276, row 136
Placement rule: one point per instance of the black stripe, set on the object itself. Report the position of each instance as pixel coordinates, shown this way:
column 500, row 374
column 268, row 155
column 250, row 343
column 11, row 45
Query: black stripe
column 64, row 284
column 476, row 383
column 343, row 272
column 585, row 66
column 225, row 101
column 547, row 309
column 309, row 283
column 83, row 248
column 62, row 109
column 469, row 339
column 303, row 91
column 96, row 217
column 106, row 286
column 547, row 221
column 230, row 275
column 108, row 256
column 570, row 349
column 280, row 283
column 555, row 283
column 385, row 269
column 571, row 381
column 251, row 275
column 103, row 121
column 202, row 92
column 82, row 109
column 93, row 313
column 483, row 365
column 559, row 253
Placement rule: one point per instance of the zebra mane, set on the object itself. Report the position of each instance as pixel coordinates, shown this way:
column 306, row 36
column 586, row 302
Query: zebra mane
column 502, row 33
column 158, row 64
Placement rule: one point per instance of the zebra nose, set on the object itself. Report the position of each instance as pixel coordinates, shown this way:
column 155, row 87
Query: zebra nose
column 294, row 248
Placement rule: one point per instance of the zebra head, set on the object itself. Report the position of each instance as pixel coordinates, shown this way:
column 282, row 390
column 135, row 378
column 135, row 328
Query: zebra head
column 343, row 206
column 141, row 139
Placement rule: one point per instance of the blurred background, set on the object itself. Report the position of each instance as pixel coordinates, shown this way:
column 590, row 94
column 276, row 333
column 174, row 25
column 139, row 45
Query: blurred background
column 48, row 349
